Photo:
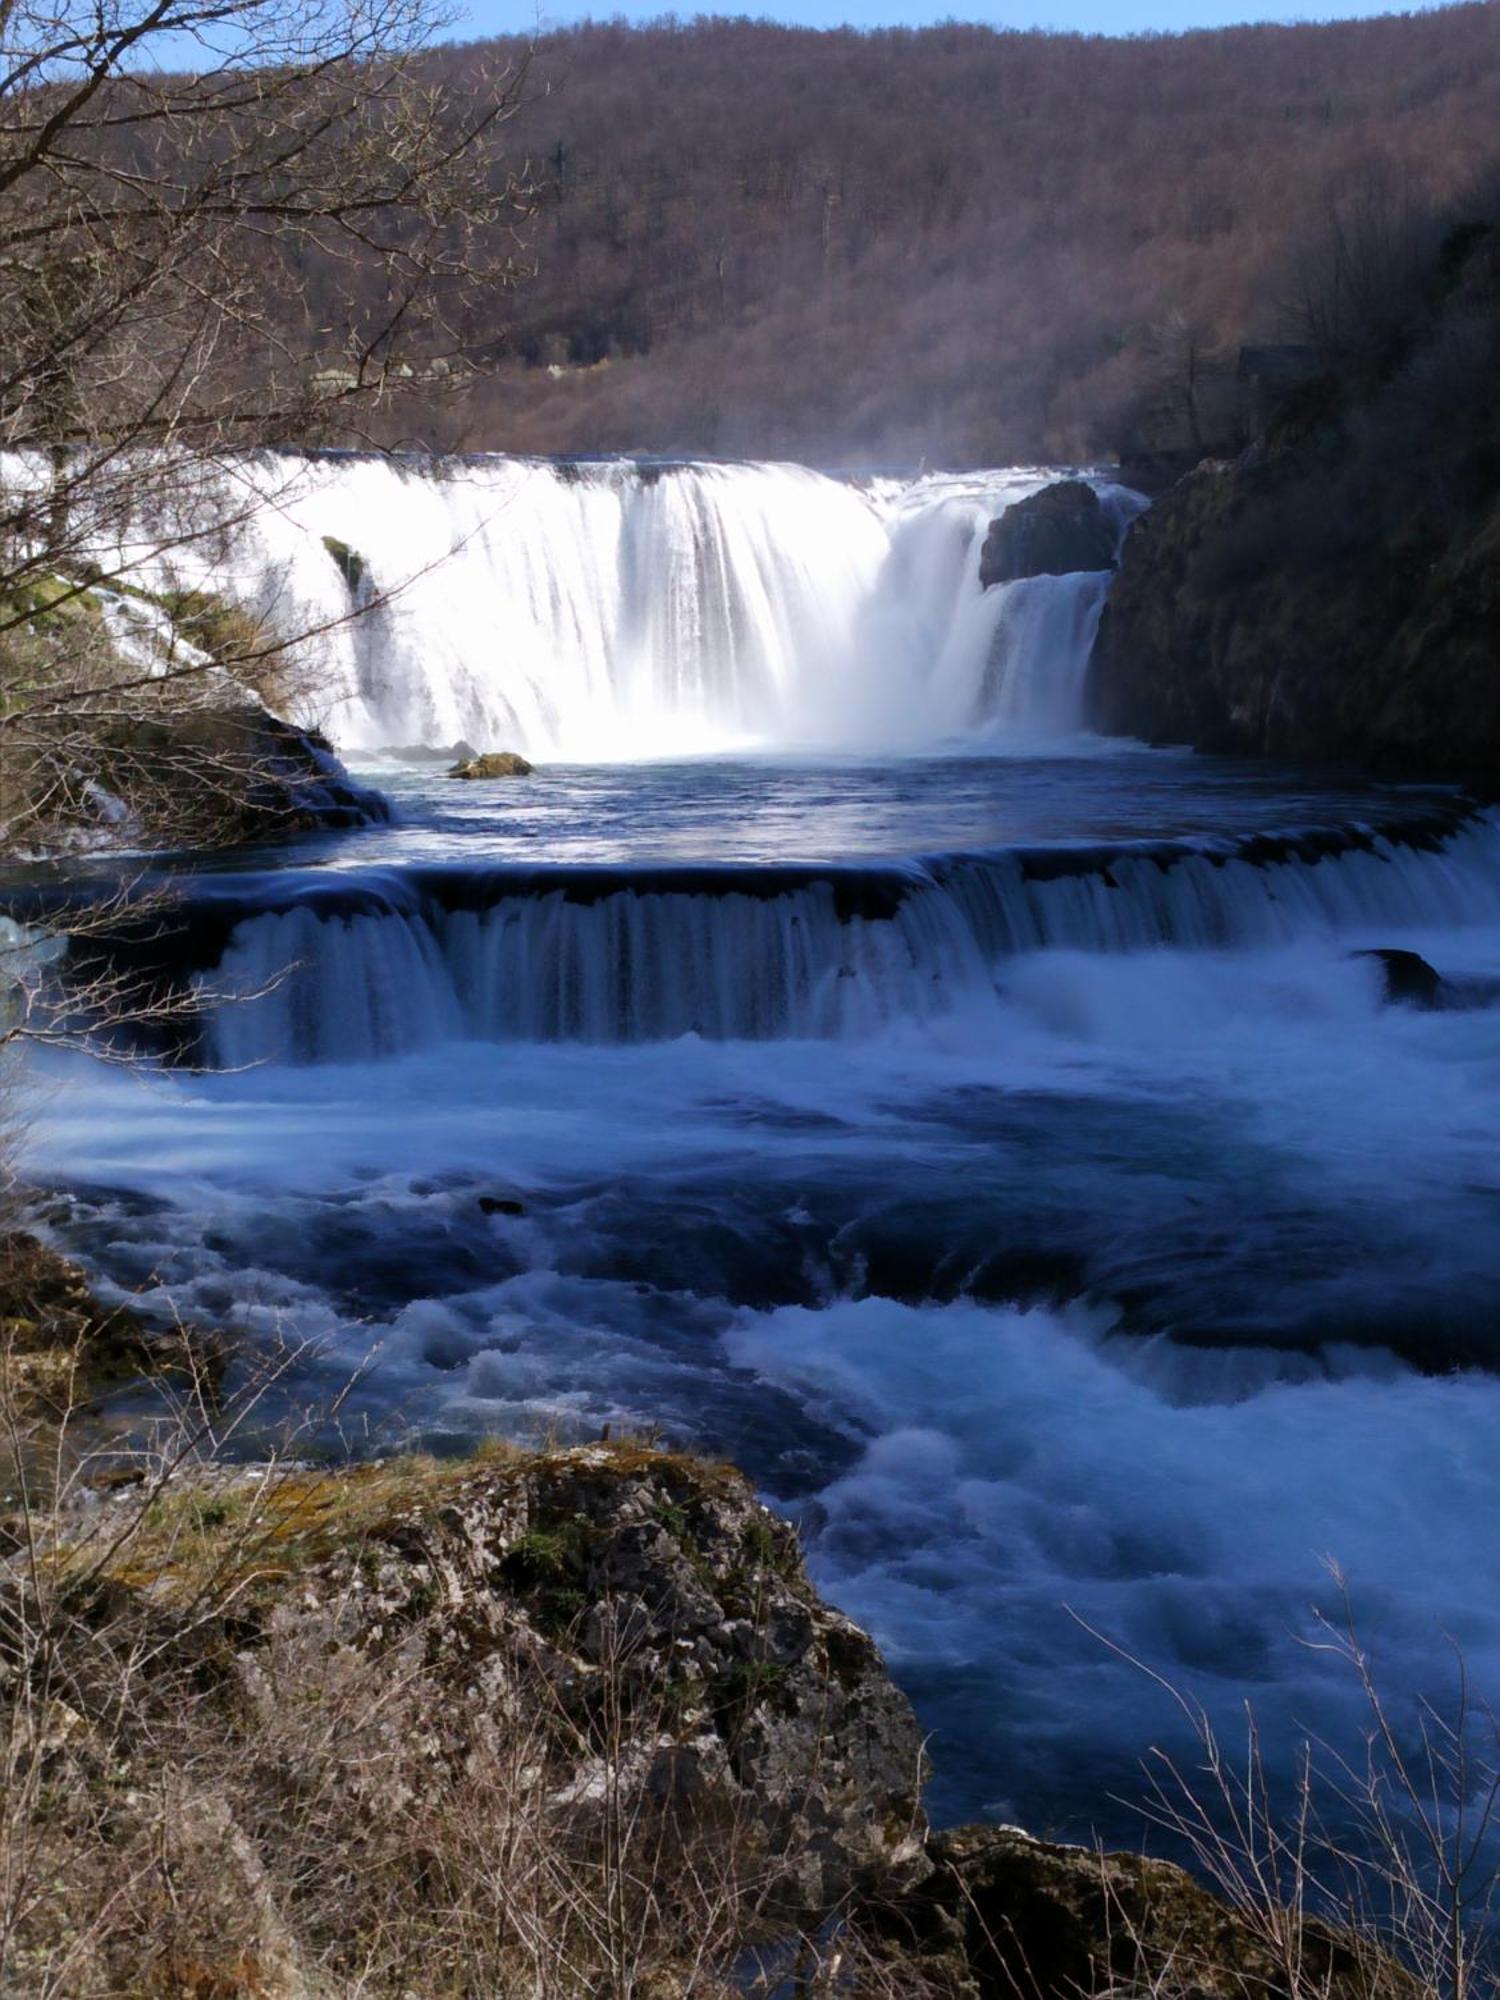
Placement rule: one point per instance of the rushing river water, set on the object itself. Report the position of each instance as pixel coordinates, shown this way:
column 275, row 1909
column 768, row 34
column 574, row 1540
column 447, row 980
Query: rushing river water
column 1009, row 1159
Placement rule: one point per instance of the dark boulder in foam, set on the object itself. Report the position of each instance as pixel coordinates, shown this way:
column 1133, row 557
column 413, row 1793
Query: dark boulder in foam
column 1056, row 532
column 1409, row 981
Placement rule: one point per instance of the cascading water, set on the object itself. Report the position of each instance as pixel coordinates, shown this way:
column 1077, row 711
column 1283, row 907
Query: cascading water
column 1012, row 1155
column 618, row 611
column 354, row 970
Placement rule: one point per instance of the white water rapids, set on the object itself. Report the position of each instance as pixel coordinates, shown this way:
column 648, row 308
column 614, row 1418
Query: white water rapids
column 615, row 611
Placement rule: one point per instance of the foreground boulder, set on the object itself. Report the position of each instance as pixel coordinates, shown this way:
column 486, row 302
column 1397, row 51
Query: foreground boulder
column 1052, row 533
column 650, row 1621
column 1003, row 1915
column 494, row 764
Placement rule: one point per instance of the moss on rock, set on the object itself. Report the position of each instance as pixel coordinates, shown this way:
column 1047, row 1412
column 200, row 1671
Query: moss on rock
column 493, row 764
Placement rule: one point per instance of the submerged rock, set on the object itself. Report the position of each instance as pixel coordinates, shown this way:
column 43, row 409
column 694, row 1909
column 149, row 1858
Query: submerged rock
column 1003, row 1914
column 494, row 764
column 501, row 1204
column 1062, row 529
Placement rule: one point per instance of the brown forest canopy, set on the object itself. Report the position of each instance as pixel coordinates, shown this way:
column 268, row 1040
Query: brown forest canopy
column 951, row 243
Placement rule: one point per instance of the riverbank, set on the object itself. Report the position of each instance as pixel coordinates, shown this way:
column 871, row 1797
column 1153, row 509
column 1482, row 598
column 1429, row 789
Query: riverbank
column 558, row 1720
column 1333, row 593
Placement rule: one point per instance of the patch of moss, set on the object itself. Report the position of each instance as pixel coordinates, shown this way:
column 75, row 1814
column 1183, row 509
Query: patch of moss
column 351, row 564
column 535, row 1557
column 225, row 631
column 49, row 602
column 673, row 1517
column 765, row 1549
column 298, row 1516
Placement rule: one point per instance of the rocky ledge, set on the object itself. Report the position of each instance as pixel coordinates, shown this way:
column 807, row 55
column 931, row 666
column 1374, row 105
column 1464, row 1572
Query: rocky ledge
column 232, row 770
column 1001, row 1914
column 168, row 730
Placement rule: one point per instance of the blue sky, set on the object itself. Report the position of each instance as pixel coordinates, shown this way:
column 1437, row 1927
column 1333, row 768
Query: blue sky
column 1102, row 17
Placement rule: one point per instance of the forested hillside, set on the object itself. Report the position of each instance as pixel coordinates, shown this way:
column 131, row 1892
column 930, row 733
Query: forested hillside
column 951, row 243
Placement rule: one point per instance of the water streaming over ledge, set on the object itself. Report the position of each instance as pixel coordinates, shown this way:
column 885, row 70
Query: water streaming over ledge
column 325, row 964
column 618, row 610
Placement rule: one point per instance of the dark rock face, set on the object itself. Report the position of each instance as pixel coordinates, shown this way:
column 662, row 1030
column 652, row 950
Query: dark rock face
column 1003, row 1914
column 624, row 1586
column 1333, row 593
column 1231, row 629
column 1052, row 533
column 494, row 764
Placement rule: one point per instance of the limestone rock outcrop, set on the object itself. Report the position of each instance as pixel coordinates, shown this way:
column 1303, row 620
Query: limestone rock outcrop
column 1333, row 593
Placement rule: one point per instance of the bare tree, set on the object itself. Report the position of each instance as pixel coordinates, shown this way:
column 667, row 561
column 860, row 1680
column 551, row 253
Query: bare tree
column 223, row 224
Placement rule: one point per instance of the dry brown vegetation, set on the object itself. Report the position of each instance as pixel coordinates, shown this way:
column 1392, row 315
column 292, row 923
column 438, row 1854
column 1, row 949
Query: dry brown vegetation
column 210, row 1793
column 951, row 244
column 157, row 229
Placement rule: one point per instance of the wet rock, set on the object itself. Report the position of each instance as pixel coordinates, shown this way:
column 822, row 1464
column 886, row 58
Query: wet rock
column 1052, row 533
column 350, row 564
column 1004, row 1914
column 1409, row 980
column 493, row 764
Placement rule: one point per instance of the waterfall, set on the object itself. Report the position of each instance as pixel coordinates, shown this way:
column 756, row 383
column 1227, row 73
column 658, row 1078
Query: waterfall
column 374, row 965
column 615, row 610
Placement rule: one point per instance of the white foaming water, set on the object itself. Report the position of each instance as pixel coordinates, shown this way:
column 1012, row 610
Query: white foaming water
column 740, row 957
column 618, row 611
column 1030, row 1490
